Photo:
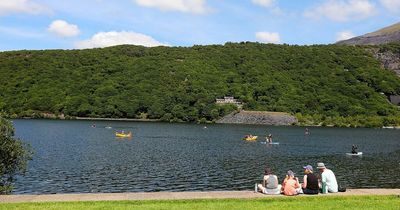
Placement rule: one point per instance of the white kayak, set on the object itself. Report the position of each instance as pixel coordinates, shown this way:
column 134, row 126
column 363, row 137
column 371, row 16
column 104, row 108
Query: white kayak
column 354, row 154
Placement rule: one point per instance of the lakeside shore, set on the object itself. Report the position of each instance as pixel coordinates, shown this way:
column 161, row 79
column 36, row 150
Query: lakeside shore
column 240, row 118
column 116, row 119
column 175, row 195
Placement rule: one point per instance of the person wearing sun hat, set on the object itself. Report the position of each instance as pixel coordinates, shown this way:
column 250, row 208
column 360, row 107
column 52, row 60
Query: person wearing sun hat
column 310, row 181
column 328, row 178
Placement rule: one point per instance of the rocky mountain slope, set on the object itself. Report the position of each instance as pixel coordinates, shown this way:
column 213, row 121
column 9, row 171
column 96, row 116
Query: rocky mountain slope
column 383, row 36
column 385, row 45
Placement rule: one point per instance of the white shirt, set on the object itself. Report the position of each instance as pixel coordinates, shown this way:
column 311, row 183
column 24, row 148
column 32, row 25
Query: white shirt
column 330, row 179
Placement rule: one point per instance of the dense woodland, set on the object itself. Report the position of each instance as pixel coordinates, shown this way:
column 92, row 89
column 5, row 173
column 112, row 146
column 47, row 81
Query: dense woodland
column 328, row 84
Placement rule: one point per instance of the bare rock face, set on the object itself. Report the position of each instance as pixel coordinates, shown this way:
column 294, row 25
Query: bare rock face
column 258, row 117
column 390, row 60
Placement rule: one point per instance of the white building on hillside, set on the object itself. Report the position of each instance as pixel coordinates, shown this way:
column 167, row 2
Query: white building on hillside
column 228, row 100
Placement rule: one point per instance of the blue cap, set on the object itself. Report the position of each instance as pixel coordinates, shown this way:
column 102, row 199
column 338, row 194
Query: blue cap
column 308, row 167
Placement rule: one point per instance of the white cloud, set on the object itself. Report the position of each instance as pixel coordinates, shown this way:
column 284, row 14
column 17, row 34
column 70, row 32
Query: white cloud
column 188, row 6
column 342, row 10
column 21, row 6
column 268, row 37
column 106, row 39
column 63, row 29
column 391, row 5
column 264, row 3
column 344, row 35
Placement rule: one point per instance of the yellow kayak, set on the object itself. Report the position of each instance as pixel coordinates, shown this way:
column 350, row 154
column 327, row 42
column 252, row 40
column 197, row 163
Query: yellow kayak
column 123, row 135
column 250, row 138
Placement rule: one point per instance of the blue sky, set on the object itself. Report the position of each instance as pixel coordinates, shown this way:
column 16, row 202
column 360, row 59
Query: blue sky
column 75, row 24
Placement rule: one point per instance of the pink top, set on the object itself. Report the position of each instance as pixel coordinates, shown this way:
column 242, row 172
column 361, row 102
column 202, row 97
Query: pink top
column 289, row 186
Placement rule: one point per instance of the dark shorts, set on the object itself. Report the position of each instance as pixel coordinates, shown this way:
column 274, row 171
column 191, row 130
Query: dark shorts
column 309, row 191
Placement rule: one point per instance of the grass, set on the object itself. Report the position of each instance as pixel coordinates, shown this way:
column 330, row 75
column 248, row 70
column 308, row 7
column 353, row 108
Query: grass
column 386, row 30
column 298, row 203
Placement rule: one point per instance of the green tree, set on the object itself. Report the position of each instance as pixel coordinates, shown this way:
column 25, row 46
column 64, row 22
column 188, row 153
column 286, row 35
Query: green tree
column 14, row 155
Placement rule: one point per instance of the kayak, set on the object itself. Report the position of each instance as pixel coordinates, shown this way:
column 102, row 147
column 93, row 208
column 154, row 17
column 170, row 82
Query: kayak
column 123, row 135
column 354, row 154
column 253, row 138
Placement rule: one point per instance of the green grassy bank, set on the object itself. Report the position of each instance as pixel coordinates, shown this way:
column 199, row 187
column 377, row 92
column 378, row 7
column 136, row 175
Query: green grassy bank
column 303, row 202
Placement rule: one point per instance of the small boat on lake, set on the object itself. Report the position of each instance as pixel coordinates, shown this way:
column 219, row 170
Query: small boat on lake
column 354, row 154
column 123, row 135
column 250, row 138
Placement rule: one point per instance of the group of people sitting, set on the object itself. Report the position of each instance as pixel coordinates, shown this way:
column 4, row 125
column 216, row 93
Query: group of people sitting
column 323, row 182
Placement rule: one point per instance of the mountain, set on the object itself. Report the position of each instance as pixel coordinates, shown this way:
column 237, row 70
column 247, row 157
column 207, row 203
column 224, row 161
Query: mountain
column 383, row 36
column 320, row 84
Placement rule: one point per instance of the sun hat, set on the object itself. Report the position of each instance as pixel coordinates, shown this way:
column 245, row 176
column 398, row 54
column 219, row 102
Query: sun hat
column 308, row 167
column 290, row 173
column 320, row 165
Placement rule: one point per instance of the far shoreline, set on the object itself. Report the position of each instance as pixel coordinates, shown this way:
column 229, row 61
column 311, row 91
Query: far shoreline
column 205, row 123
column 115, row 119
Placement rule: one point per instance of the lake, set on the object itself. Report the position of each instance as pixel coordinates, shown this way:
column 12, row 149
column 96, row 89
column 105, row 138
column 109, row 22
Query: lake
column 73, row 157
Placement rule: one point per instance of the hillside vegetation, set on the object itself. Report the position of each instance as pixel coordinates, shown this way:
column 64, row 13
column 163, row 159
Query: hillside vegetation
column 338, row 85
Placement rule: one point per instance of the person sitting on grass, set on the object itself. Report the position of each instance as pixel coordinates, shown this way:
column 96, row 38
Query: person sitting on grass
column 270, row 183
column 310, row 181
column 291, row 185
column 328, row 178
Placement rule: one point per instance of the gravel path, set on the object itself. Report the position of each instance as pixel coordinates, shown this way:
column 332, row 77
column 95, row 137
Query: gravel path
column 172, row 195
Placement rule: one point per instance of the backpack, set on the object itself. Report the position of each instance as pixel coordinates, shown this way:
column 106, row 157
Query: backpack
column 341, row 189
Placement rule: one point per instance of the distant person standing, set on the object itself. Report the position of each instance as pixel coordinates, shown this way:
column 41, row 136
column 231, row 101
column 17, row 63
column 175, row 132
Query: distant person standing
column 328, row 179
column 306, row 131
column 354, row 149
column 269, row 138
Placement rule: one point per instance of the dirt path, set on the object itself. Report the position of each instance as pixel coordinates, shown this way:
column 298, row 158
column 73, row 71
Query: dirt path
column 172, row 195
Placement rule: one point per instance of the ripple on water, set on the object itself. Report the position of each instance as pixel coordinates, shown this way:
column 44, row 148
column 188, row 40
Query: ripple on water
column 71, row 157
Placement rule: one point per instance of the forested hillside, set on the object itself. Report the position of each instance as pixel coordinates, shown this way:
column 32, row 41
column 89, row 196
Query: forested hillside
column 330, row 84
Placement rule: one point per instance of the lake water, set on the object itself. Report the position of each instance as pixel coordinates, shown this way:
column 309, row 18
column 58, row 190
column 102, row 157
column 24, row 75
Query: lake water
column 73, row 157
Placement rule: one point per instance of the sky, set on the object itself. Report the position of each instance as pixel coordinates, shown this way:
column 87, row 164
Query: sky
column 80, row 24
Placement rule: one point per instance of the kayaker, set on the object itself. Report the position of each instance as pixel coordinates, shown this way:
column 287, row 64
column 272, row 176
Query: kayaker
column 353, row 149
